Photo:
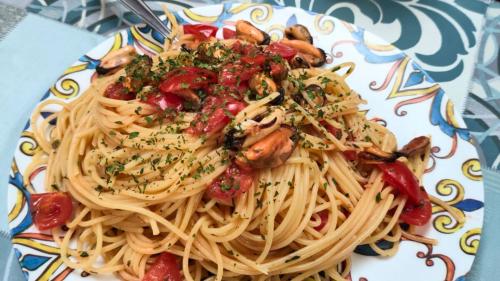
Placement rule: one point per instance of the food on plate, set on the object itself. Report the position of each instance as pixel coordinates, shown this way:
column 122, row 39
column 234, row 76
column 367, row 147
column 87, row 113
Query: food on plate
column 227, row 159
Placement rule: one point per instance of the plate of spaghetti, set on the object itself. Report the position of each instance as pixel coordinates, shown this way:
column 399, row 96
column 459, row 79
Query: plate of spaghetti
column 255, row 143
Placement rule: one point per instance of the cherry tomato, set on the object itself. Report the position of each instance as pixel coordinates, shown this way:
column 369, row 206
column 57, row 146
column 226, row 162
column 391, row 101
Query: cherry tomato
column 232, row 74
column 254, row 60
column 202, row 30
column 323, row 216
column 216, row 121
column 333, row 130
column 233, row 182
column 399, row 176
column 49, row 210
column 210, row 105
column 277, row 48
column 278, row 70
column 164, row 101
column 228, row 91
column 216, row 109
column 244, row 49
column 164, row 268
column 219, row 118
column 417, row 214
column 418, row 208
column 189, row 69
column 228, row 33
column 235, row 107
column 118, row 92
column 350, row 155
column 187, row 78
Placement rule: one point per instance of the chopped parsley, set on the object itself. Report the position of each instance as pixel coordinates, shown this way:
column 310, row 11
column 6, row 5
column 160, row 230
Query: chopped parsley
column 138, row 110
column 84, row 254
column 292, row 259
column 114, row 169
column 55, row 144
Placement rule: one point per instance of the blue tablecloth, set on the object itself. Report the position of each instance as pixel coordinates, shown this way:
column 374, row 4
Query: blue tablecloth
column 30, row 62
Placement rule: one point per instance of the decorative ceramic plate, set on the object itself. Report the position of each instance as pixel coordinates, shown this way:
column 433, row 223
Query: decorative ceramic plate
column 399, row 94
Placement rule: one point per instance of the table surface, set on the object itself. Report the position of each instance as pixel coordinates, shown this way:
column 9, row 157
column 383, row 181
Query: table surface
column 466, row 36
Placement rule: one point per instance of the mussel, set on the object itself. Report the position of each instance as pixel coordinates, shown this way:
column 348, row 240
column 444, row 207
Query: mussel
column 248, row 32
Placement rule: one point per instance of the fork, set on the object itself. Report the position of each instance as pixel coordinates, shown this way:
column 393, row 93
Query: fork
column 145, row 13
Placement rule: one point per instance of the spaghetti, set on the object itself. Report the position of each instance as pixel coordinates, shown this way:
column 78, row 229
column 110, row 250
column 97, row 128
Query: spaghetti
column 237, row 156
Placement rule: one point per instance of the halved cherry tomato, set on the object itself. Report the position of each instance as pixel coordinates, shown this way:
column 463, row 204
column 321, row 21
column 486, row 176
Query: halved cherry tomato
column 118, row 92
column 350, row 155
column 417, row 214
column 216, row 109
column 164, row 268
column 334, row 131
column 254, row 60
column 418, row 208
column 244, row 49
column 49, row 210
column 216, row 121
column 187, row 78
column 283, row 50
column 233, row 182
column 189, row 69
column 164, row 101
column 205, row 30
column 228, row 91
column 277, row 70
column 228, row 33
column 323, row 216
column 219, row 118
column 232, row 74
column 399, row 176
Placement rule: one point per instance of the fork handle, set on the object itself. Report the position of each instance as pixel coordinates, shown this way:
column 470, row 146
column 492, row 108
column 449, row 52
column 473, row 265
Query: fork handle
column 143, row 11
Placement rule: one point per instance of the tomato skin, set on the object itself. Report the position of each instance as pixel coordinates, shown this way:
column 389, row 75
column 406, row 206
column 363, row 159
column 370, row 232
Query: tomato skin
column 350, row 155
column 228, row 91
column 418, row 208
column 204, row 31
column 323, row 216
column 238, row 181
column 399, row 176
column 215, row 108
column 254, row 60
column 417, row 214
column 49, row 210
column 165, row 101
column 117, row 91
column 164, row 268
column 216, row 121
column 277, row 48
column 278, row 71
column 187, row 78
column 244, row 49
column 334, row 131
column 228, row 33
column 219, row 119
column 235, row 107
column 189, row 70
column 231, row 73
